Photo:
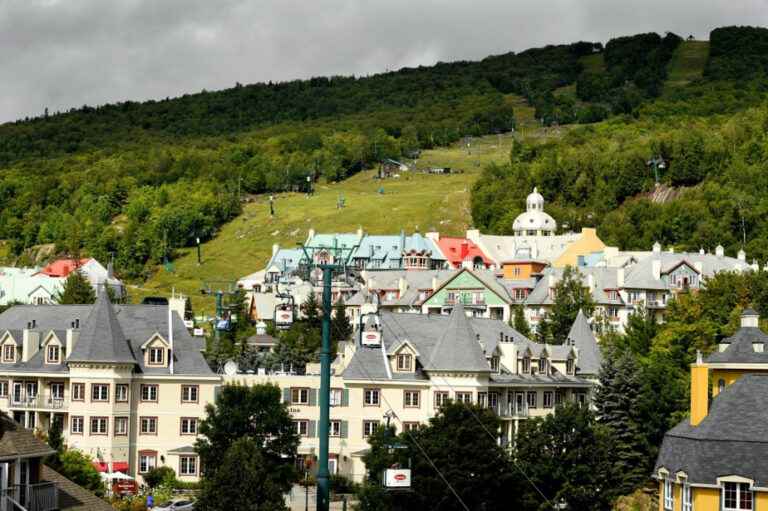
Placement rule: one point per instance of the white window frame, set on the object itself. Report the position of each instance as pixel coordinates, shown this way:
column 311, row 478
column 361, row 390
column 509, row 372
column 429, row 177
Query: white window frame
column 100, row 392
column 411, row 399
column 371, row 397
column 687, row 497
column 153, row 360
column 369, row 427
column 49, row 359
column 191, row 426
column 441, row 397
column 151, row 389
column 299, row 395
column 102, row 426
column 302, row 427
column 9, row 349
column 121, row 430
column 740, row 491
column 78, row 424
column 335, row 428
column 188, row 465
column 187, row 391
column 404, row 362
column 147, row 462
column 464, row 397
column 121, row 388
column 336, row 397
column 151, row 423
column 58, row 393
column 669, row 495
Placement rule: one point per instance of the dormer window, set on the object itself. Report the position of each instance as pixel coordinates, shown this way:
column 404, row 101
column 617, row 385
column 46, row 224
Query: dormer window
column 543, row 366
column 53, row 354
column 9, row 353
column 405, row 362
column 526, row 365
column 156, row 356
column 569, row 366
column 495, row 364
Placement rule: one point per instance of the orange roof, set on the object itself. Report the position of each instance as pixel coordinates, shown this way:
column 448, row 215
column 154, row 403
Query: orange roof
column 457, row 250
column 63, row 267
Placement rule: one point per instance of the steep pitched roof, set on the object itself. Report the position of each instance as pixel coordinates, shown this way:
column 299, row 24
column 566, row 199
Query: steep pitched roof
column 63, row 267
column 458, row 349
column 731, row 440
column 740, row 349
column 17, row 442
column 101, row 338
column 581, row 336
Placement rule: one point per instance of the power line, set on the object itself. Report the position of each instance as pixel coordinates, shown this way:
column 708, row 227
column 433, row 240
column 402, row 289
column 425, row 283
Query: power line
column 485, row 428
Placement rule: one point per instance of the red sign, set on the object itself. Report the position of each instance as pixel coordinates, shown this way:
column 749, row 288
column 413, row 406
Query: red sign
column 400, row 477
column 125, row 487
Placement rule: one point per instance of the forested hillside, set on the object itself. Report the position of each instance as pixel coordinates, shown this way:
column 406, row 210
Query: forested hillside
column 711, row 135
column 139, row 180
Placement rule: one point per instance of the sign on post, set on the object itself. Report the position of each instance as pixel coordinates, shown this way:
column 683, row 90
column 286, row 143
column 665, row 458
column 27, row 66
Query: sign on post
column 397, row 478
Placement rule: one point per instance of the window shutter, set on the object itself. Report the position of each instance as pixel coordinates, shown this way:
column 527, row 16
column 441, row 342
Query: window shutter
column 287, row 396
column 312, row 397
column 345, row 397
column 344, row 429
column 312, row 429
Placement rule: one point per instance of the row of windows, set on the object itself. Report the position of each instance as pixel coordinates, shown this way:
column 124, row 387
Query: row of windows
column 188, row 465
column 734, row 497
column 544, row 366
column 412, row 398
column 99, row 392
column 339, row 429
column 147, row 425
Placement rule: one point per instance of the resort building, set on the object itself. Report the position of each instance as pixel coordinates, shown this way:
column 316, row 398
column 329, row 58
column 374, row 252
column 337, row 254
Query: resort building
column 402, row 367
column 716, row 460
column 127, row 382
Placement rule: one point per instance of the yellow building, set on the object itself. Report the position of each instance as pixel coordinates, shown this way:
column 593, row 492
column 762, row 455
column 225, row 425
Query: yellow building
column 718, row 459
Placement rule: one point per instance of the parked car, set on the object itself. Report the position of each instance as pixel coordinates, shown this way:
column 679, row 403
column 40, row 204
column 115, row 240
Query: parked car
column 176, row 505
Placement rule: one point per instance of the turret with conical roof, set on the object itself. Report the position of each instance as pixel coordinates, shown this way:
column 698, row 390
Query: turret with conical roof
column 458, row 349
column 101, row 338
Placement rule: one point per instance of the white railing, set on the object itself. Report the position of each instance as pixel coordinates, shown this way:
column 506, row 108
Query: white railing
column 47, row 402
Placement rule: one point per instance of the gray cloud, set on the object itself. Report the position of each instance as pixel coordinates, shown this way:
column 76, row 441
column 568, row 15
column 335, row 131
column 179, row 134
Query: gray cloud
column 66, row 53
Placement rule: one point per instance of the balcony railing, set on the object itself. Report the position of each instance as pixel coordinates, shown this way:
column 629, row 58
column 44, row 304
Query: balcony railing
column 511, row 410
column 46, row 402
column 33, row 497
column 464, row 300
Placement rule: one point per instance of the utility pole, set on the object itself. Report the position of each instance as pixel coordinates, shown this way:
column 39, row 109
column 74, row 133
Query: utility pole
column 199, row 256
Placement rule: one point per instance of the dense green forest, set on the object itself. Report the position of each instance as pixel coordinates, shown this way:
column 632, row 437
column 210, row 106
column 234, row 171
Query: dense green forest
column 138, row 180
column 712, row 138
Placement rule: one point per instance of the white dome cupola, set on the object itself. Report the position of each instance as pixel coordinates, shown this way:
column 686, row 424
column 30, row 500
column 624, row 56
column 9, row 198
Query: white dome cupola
column 534, row 222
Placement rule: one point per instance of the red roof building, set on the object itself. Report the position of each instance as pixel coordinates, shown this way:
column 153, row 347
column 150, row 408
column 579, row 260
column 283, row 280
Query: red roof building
column 63, row 267
column 463, row 253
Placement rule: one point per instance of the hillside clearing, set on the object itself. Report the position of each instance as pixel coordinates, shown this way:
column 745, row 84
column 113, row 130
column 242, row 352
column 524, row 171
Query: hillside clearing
column 687, row 64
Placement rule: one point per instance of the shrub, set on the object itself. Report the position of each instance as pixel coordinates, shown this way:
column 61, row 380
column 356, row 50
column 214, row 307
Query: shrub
column 160, row 476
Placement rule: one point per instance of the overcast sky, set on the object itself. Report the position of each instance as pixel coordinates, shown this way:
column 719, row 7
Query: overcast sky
column 64, row 53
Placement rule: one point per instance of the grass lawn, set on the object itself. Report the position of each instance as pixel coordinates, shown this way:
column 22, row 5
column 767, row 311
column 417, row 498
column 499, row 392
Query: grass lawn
column 414, row 201
column 687, row 64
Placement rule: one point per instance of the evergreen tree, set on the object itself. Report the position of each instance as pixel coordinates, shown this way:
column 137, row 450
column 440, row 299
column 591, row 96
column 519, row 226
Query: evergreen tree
column 311, row 311
column 56, row 442
column 568, row 456
column 76, row 290
column 519, row 322
column 341, row 328
column 247, row 445
column 570, row 296
column 618, row 399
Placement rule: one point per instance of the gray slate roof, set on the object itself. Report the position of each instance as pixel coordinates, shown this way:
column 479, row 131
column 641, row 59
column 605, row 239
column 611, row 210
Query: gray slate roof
column 731, row 440
column 603, row 277
column 458, row 348
column 581, row 336
column 134, row 324
column 640, row 275
column 740, row 348
column 101, row 338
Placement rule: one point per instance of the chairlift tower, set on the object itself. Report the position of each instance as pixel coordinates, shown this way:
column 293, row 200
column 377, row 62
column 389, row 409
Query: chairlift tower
column 333, row 262
column 217, row 289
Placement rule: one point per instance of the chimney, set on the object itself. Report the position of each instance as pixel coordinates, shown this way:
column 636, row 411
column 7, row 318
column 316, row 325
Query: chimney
column 741, row 255
column 749, row 318
column 699, row 390
column 719, row 251
column 72, row 336
column 473, row 235
column 432, row 235
column 30, row 344
column 656, row 267
column 657, row 248
column 591, row 282
column 170, row 339
column 360, row 233
column 434, row 283
column 275, row 249
column 402, row 286
column 620, row 277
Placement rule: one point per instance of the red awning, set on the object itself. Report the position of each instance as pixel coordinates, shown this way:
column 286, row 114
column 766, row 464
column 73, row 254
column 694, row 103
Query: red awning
column 120, row 466
column 101, row 466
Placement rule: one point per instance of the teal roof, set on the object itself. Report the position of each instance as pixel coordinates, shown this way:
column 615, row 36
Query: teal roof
column 345, row 240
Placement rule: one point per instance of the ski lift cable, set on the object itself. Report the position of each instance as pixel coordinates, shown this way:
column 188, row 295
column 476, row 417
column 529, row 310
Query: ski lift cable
column 490, row 434
column 417, row 444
